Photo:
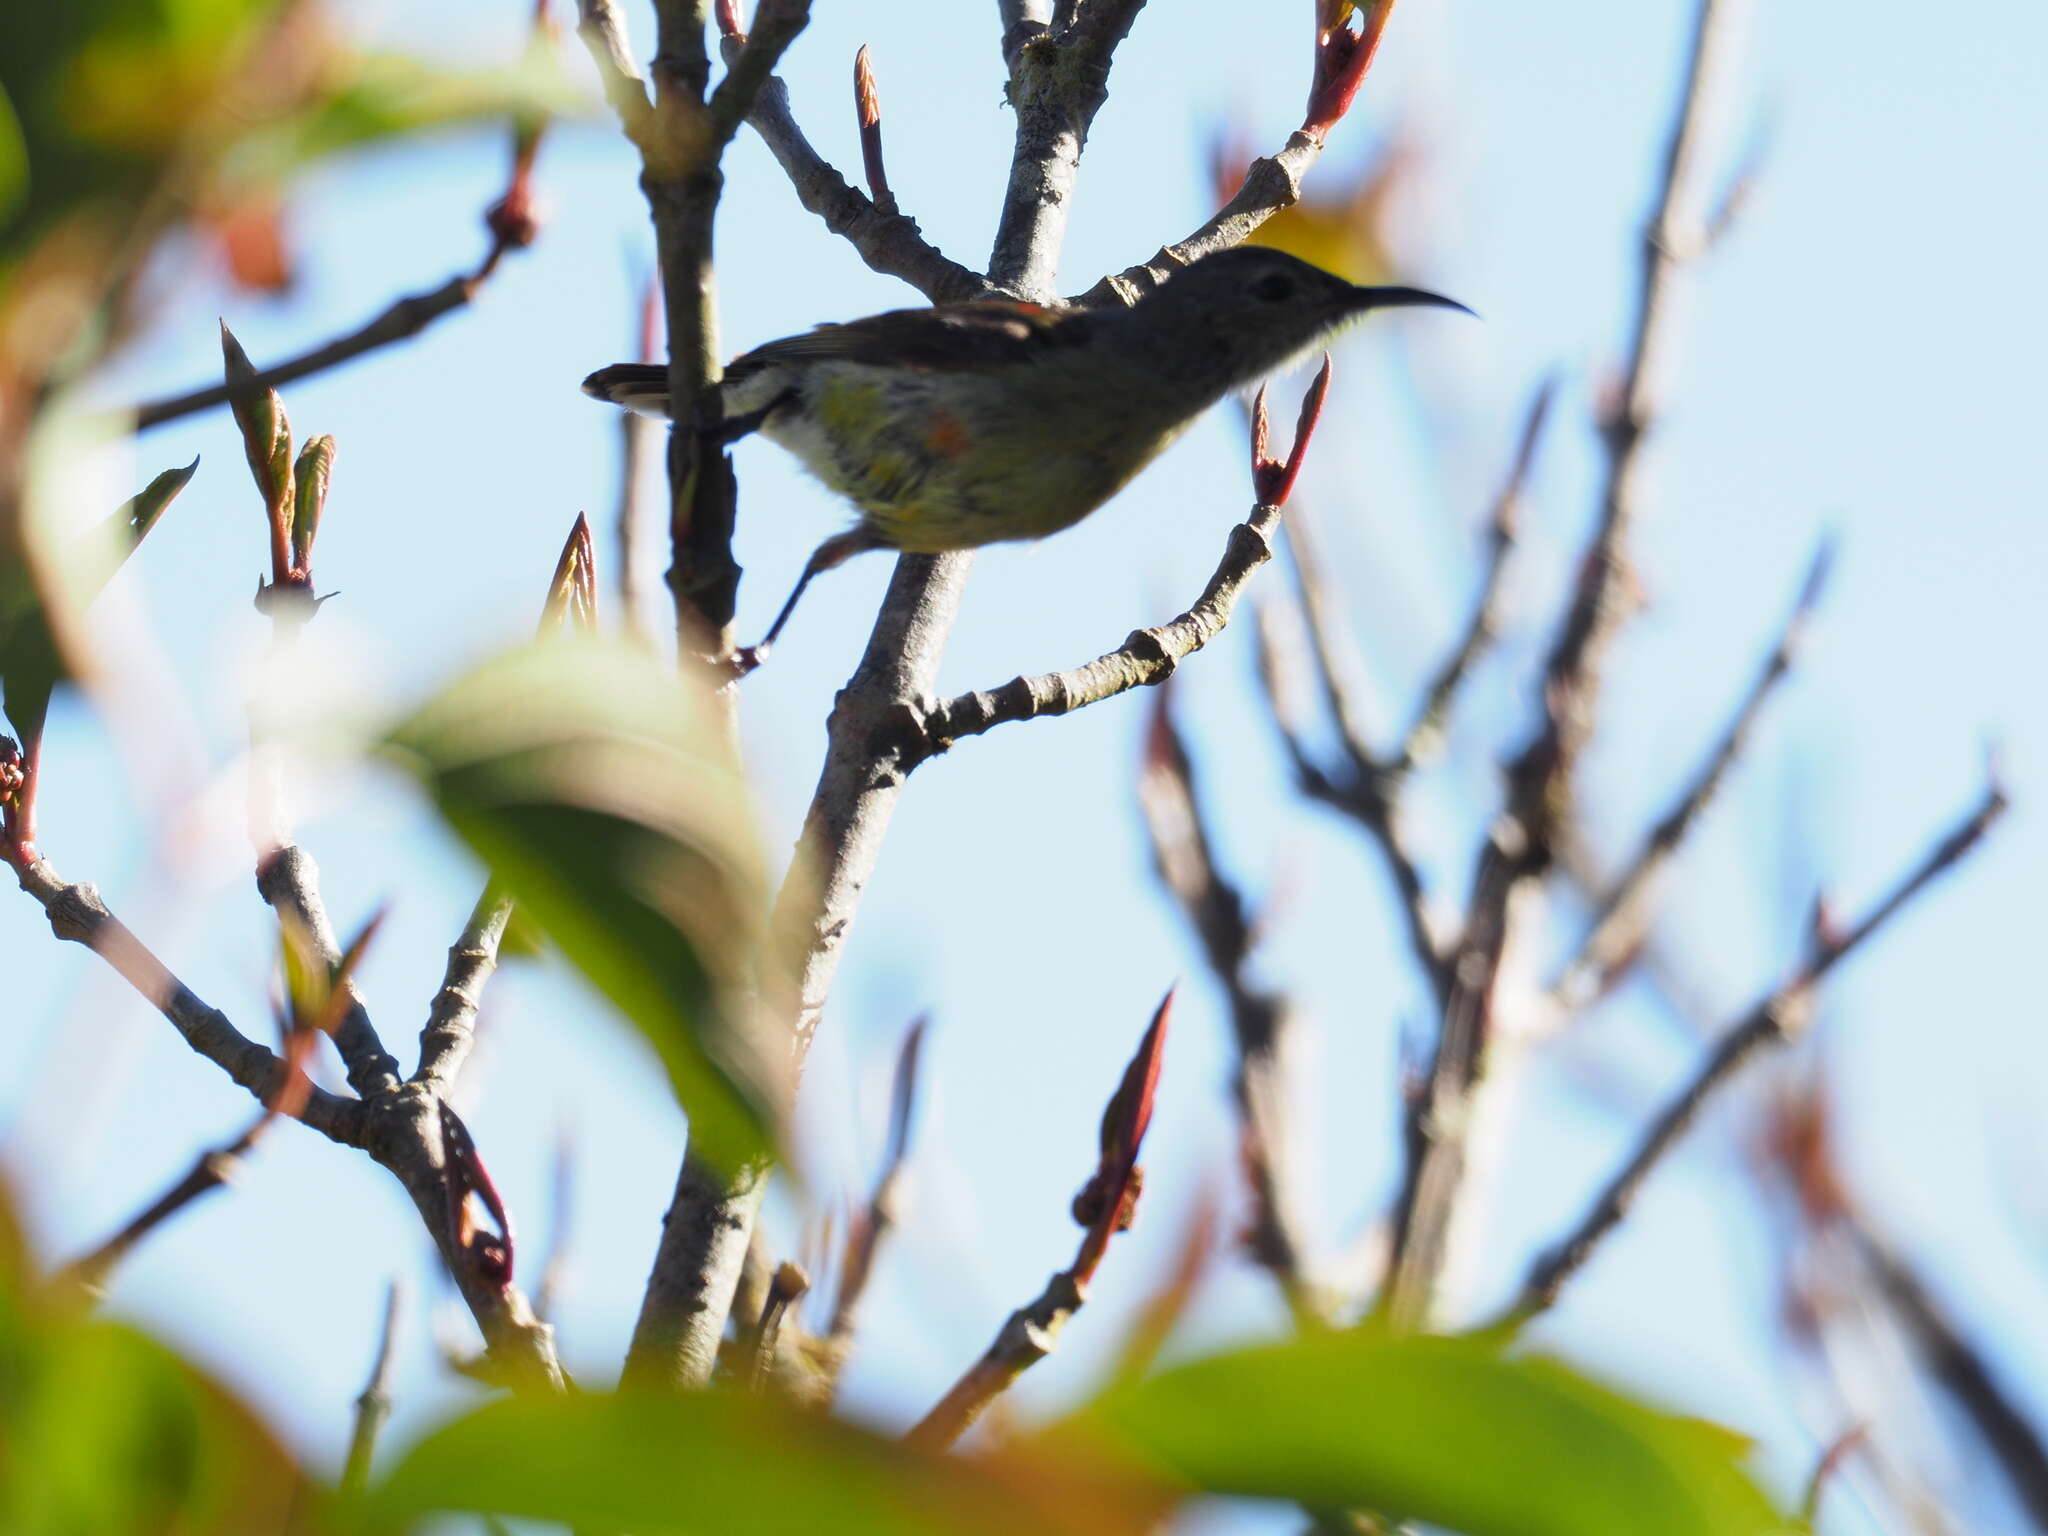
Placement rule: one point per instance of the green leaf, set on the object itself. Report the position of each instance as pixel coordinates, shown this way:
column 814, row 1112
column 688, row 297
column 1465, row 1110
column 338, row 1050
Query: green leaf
column 138, row 516
column 105, row 1429
column 597, row 785
column 1446, row 1431
column 13, row 160
column 382, row 96
column 718, row 1461
column 31, row 662
column 311, row 476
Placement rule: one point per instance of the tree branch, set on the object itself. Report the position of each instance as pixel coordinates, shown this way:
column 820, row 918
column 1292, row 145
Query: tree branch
column 1776, row 1018
column 1425, row 736
column 289, row 881
column 1965, row 1374
column 373, row 1407
column 1364, row 789
column 864, row 1240
column 1271, row 184
column 1260, row 1018
column 1625, row 914
column 1106, row 1206
column 872, row 744
column 78, row 916
column 887, row 240
column 1145, row 659
column 1522, row 843
column 450, row 1030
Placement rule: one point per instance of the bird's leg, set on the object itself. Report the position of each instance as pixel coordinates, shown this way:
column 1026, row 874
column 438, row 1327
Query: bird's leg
column 835, row 551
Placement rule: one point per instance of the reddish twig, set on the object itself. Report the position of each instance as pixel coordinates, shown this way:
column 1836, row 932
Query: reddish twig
column 1106, row 1205
column 867, row 107
column 1343, row 55
column 1272, row 182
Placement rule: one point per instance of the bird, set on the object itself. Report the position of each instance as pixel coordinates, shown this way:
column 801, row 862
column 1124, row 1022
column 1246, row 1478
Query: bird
column 973, row 423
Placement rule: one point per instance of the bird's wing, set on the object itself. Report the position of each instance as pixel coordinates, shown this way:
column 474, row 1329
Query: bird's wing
column 988, row 333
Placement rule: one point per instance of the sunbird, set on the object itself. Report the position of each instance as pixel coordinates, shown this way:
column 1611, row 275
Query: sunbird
column 969, row 424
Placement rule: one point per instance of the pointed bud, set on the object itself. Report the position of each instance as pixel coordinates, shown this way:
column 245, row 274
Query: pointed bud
column 572, row 594
column 1343, row 55
column 1273, row 479
column 312, row 472
column 267, row 440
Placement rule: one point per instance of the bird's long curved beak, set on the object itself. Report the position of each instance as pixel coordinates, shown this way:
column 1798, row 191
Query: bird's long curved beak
column 1364, row 299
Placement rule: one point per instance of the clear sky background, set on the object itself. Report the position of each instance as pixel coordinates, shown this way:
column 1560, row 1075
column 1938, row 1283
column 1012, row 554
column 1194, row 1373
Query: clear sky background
column 1865, row 356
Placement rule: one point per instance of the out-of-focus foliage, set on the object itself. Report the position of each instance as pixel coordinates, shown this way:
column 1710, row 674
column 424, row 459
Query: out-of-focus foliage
column 721, row 1461
column 29, row 665
column 1445, row 1430
column 104, row 1429
column 1341, row 225
column 122, row 121
column 597, row 785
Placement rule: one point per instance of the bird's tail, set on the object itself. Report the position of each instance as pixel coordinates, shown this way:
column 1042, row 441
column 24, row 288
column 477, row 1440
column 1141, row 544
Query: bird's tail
column 641, row 387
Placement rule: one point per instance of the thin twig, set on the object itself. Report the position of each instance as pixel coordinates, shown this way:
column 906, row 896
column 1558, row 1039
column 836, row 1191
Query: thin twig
column 450, row 1030
column 1363, row 791
column 1260, row 1018
column 1108, row 1203
column 1622, row 922
column 787, row 1287
column 211, row 1171
column 554, row 1269
column 1271, row 184
column 1148, row 656
column 864, row 1238
column 1966, row 1375
column 1775, row 1019
column 79, row 916
column 883, row 237
column 776, row 25
column 512, row 227
column 1523, row 840
column 373, row 1407
column 1425, row 736
column 289, row 881
column 398, row 321
column 603, row 31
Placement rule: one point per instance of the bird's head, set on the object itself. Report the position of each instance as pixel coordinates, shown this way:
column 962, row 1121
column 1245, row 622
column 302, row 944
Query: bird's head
column 1243, row 313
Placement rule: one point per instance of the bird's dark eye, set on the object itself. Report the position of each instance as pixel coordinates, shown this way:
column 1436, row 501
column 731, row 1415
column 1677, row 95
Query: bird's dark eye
column 1273, row 288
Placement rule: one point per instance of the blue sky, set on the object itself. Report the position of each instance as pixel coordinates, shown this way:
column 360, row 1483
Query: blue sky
column 1863, row 356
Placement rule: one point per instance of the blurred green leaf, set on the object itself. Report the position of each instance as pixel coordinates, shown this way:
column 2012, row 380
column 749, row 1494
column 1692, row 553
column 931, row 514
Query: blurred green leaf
column 718, row 1461
column 378, row 96
column 137, row 516
column 1442, row 1430
column 597, row 786
column 13, row 160
column 104, row 1429
column 31, row 664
